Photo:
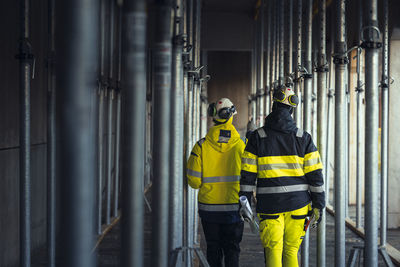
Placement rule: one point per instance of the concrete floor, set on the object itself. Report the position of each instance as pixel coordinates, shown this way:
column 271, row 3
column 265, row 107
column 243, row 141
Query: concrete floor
column 108, row 252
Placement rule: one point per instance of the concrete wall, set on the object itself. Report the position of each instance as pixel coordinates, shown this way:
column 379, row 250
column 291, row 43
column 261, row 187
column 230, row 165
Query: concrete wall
column 227, row 31
column 394, row 134
column 230, row 77
column 9, row 130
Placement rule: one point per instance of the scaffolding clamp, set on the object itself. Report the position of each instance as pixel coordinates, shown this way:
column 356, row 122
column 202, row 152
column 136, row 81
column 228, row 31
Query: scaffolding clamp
column 372, row 42
column 25, row 54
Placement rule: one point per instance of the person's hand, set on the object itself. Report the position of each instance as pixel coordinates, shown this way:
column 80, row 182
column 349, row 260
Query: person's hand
column 316, row 217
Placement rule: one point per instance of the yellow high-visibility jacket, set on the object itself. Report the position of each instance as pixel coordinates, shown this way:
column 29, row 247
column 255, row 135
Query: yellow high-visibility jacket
column 214, row 168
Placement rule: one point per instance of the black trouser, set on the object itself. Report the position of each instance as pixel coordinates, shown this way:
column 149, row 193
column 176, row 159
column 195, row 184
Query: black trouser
column 223, row 241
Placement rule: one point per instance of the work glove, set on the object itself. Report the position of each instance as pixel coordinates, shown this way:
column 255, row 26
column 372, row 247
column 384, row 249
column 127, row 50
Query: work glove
column 316, row 217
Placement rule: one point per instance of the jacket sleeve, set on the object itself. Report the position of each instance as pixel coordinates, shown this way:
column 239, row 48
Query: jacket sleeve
column 249, row 168
column 194, row 167
column 313, row 171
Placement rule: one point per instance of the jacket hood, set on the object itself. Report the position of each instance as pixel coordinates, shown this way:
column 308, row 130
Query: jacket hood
column 223, row 137
column 280, row 119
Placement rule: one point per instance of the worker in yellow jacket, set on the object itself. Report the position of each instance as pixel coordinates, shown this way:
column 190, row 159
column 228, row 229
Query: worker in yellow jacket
column 283, row 165
column 214, row 168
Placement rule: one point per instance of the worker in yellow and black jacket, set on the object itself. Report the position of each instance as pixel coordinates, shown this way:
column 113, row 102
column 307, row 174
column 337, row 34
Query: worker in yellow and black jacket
column 214, row 168
column 283, row 165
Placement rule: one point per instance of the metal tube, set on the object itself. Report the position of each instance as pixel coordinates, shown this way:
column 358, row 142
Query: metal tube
column 118, row 123
column 297, row 110
column 359, row 90
column 307, row 104
column 384, row 131
column 133, row 110
column 290, row 39
column 340, row 120
column 281, row 42
column 322, row 124
column 203, row 126
column 109, row 155
column 268, row 62
column 177, row 137
column 51, row 140
column 328, row 143
column 277, row 41
column 272, row 49
column 371, row 133
column 260, row 66
column 101, row 111
column 110, row 113
column 161, row 136
column 76, row 80
column 25, row 70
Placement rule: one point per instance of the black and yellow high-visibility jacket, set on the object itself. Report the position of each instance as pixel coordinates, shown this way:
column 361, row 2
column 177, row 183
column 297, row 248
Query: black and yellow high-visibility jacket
column 214, row 168
column 284, row 163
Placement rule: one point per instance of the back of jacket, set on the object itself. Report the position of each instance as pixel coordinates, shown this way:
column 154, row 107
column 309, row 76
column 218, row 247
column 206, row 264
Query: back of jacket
column 214, row 168
column 285, row 164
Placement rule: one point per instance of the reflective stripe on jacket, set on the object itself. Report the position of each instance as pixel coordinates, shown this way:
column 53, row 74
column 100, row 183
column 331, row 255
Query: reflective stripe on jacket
column 285, row 164
column 214, row 168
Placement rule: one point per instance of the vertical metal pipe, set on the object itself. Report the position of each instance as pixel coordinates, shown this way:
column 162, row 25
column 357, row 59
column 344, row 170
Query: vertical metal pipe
column 340, row 120
column 118, row 122
column 177, row 135
column 51, row 140
column 268, row 61
column 307, row 103
column 109, row 154
column 290, row 39
column 281, row 42
column 133, row 110
column 328, row 143
column 25, row 58
column 297, row 111
column 260, row 66
column 203, row 112
column 277, row 42
column 371, row 36
column 384, row 127
column 254, row 75
column 111, row 88
column 161, row 136
column 76, row 80
column 100, row 138
column 273, row 43
column 359, row 90
column 359, row 143
column 322, row 123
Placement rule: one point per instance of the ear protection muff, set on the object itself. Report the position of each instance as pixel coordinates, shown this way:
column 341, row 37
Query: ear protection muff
column 211, row 111
column 293, row 100
column 226, row 113
column 279, row 95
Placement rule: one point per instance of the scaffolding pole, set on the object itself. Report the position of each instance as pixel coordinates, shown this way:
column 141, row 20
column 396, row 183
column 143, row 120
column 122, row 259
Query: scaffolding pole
column 384, row 131
column 340, row 60
column 161, row 136
column 359, row 91
column 371, row 36
column 267, row 62
column 297, row 110
column 76, row 80
column 111, row 87
column 51, row 140
column 133, row 121
column 177, row 138
column 289, row 42
column 260, row 66
column 307, row 103
column 322, row 69
column 25, row 64
column 272, row 48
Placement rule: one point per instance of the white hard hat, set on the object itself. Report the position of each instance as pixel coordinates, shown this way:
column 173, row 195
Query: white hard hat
column 221, row 110
column 286, row 95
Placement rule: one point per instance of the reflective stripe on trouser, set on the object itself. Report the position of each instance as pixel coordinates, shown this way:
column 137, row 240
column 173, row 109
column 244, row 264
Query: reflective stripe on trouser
column 281, row 235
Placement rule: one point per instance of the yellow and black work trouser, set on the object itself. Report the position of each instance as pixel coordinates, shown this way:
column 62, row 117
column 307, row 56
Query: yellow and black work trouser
column 281, row 235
